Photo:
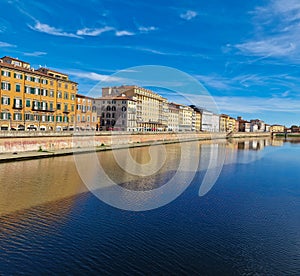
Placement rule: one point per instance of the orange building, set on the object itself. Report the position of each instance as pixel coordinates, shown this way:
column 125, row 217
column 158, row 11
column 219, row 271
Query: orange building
column 86, row 114
column 41, row 99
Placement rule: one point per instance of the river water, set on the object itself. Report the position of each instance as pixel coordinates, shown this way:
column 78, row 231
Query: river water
column 237, row 213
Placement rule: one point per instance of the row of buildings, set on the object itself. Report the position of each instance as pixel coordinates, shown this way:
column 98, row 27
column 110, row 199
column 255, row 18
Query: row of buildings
column 44, row 99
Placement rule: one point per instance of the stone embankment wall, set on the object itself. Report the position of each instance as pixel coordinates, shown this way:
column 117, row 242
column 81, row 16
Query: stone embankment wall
column 34, row 141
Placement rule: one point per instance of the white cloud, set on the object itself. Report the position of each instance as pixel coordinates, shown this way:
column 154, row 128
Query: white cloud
column 147, row 29
column 124, row 33
column 35, row 54
column 5, row 44
column 94, row 32
column 276, row 27
column 256, row 104
column 93, row 76
column 279, row 46
column 188, row 15
column 45, row 28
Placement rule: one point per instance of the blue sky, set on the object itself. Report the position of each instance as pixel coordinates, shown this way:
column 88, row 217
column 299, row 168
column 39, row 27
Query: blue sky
column 245, row 53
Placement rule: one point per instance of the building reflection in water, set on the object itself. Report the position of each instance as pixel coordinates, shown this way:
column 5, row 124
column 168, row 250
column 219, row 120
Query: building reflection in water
column 32, row 183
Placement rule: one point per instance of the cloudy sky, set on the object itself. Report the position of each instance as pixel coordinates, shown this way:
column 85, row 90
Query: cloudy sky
column 245, row 53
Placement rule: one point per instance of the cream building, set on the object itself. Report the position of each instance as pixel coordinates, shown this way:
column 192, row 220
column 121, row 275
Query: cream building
column 150, row 114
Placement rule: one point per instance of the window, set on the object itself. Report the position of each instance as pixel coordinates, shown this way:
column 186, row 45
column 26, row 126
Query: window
column 113, row 102
column 78, row 107
column 5, row 100
column 17, row 103
column 107, row 115
column 59, row 84
column 72, row 107
column 37, row 91
column 66, row 86
column 113, row 115
column 27, row 103
column 44, row 92
column 5, row 73
column 58, row 106
column 123, row 108
column 58, row 118
column 17, row 116
column 51, row 94
column 5, row 86
column 108, row 108
column 66, row 119
column 66, row 96
column 51, row 118
column 59, row 95
column 37, row 80
column 83, row 119
column 66, row 107
column 28, row 78
column 35, row 105
column 44, row 106
column 28, row 117
column 5, row 116
column 18, row 76
column 51, row 83
column 88, row 118
column 113, row 108
column 44, row 118
column 18, row 87
column 51, row 106
column 78, row 118
column 72, row 97
column 27, row 89
column 44, row 81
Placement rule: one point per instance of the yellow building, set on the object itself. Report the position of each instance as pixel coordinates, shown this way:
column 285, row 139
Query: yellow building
column 276, row 128
column 227, row 123
column 41, row 99
column 86, row 114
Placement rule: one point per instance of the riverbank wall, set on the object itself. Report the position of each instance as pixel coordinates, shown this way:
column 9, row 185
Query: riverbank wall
column 12, row 142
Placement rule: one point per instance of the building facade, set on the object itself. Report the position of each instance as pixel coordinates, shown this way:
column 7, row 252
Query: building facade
column 173, row 117
column 86, row 114
column 41, row 99
column 150, row 115
column 276, row 128
column 117, row 113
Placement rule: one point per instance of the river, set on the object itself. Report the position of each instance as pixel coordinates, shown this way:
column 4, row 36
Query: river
column 195, row 208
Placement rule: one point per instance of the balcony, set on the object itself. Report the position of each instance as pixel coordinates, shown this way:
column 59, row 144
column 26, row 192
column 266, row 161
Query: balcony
column 66, row 111
column 42, row 109
column 15, row 106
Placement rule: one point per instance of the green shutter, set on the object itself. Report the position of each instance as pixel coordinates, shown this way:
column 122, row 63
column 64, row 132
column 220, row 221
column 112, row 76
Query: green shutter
column 8, row 101
column 9, row 74
column 9, row 86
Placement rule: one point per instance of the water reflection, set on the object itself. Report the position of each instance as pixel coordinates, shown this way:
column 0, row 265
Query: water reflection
column 31, row 183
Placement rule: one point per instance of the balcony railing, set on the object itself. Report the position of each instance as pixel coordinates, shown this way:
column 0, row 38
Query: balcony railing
column 17, row 106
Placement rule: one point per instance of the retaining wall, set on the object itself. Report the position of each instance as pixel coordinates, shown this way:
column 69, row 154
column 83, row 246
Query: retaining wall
column 17, row 142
